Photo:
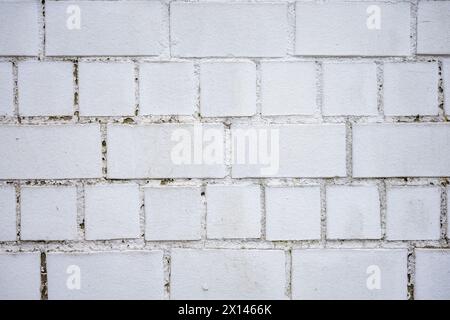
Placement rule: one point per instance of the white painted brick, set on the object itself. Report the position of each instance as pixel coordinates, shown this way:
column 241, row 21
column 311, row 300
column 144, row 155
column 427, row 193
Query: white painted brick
column 145, row 151
column 288, row 88
column 6, row 89
column 48, row 213
column 7, row 213
column 349, row 89
column 19, row 29
column 446, row 82
column 292, row 213
column 173, row 213
column 20, row 278
column 227, row 89
column 117, row 28
column 50, row 152
column 304, row 151
column 344, row 274
column 353, row 212
column 106, row 89
column 167, row 88
column 228, row 29
column 433, row 27
column 233, row 211
column 227, row 274
column 448, row 206
column 45, row 88
column 413, row 213
column 340, row 29
column 432, row 274
column 411, row 89
column 123, row 275
column 112, row 211
column 401, row 150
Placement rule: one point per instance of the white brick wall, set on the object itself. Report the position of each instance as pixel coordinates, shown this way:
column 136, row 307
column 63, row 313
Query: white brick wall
column 121, row 130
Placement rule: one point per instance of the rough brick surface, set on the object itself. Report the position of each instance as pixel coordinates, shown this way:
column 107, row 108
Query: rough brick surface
column 411, row 89
column 341, row 29
column 173, row 213
column 19, row 29
column 105, row 275
column 104, row 28
column 433, row 27
column 292, row 213
column 167, row 88
column 349, row 89
column 233, row 274
column 46, row 88
column 228, row 89
column 106, row 89
column 228, row 29
column 288, row 88
column 353, row 212
column 112, row 211
column 349, row 274
column 61, row 151
column 401, row 150
column 20, row 276
column 48, row 213
column 7, row 213
column 6, row 89
column 432, row 274
column 233, row 211
column 413, row 213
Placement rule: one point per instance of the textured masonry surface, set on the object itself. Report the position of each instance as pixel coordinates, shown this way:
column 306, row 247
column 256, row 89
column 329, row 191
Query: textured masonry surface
column 89, row 191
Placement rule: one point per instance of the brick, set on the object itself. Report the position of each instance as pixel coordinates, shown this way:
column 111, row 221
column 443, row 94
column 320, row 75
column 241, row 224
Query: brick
column 116, row 28
column 20, row 277
column 343, row 274
column 227, row 89
column 131, row 151
column 446, row 83
column 50, row 152
column 6, row 89
column 413, row 213
column 341, row 29
column 167, row 88
column 125, row 275
column 292, row 213
column 173, row 213
column 288, row 88
column 45, row 88
column 227, row 274
column 7, row 213
column 349, row 89
column 299, row 151
column 411, row 89
column 228, row 29
column 19, row 29
column 233, row 211
column 48, row 213
column 112, row 211
column 353, row 212
column 401, row 150
column 106, row 89
column 433, row 27
column 432, row 276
